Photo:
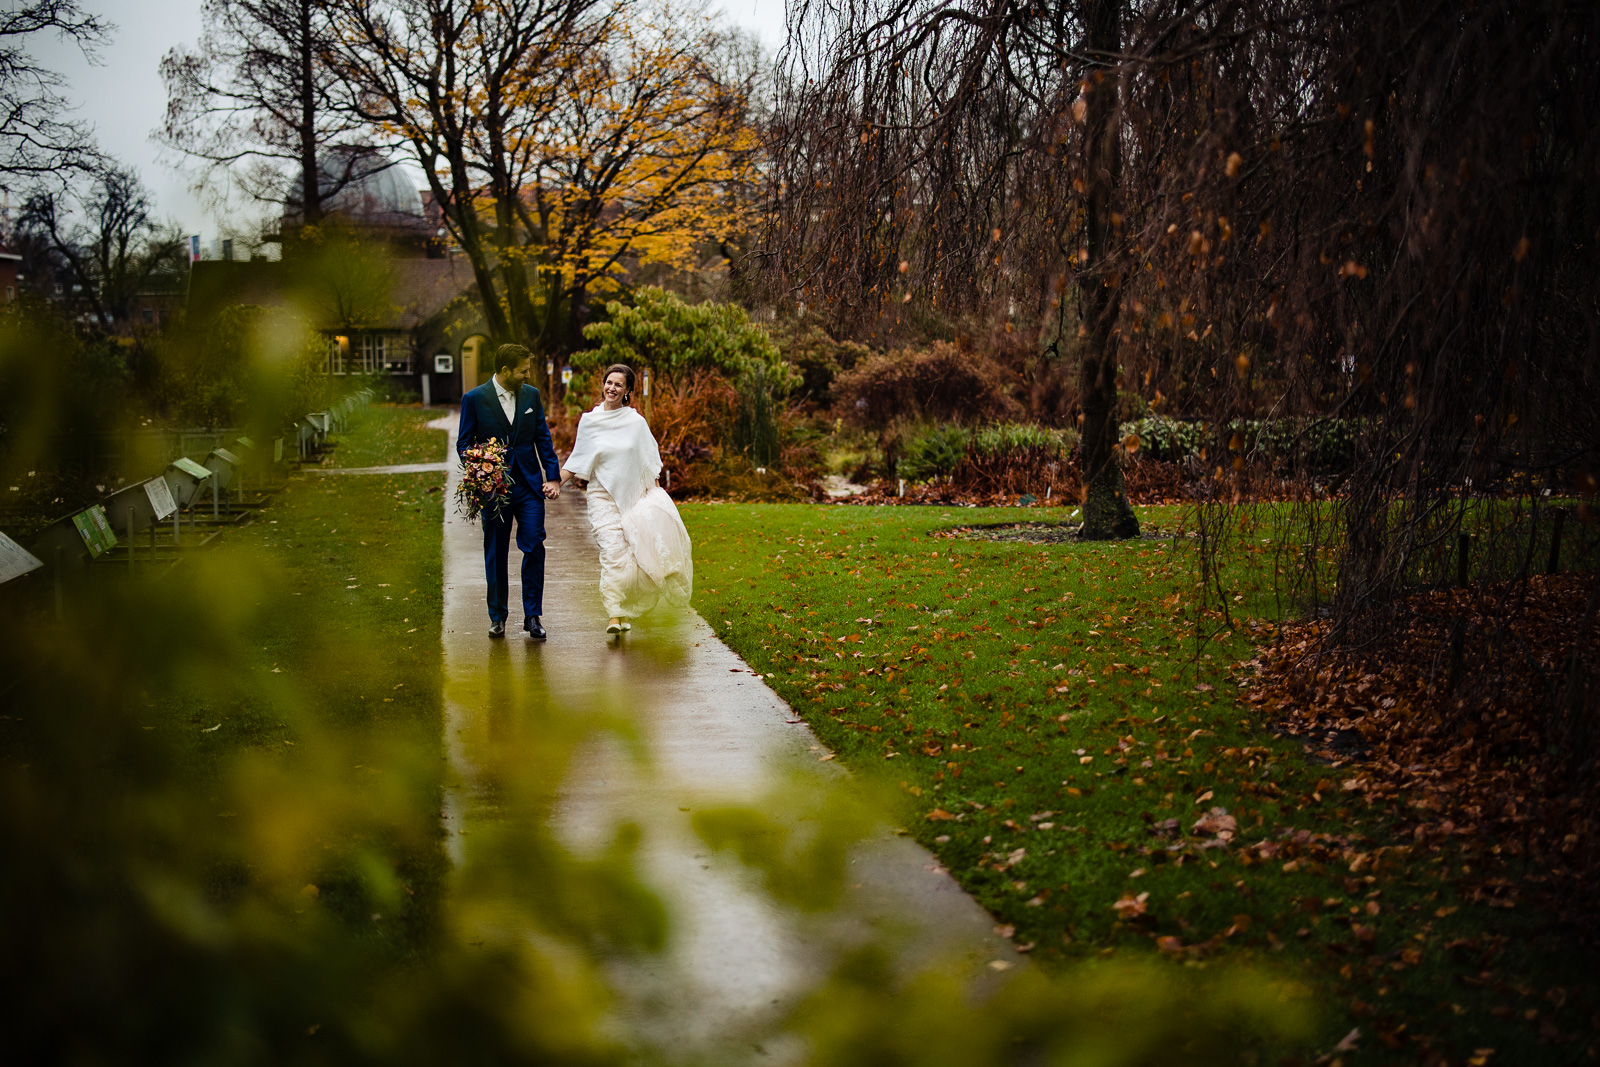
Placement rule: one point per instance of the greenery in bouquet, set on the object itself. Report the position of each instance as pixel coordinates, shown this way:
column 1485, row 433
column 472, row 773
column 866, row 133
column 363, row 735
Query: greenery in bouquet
column 485, row 486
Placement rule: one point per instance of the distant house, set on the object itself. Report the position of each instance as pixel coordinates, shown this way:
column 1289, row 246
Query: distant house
column 427, row 336
column 10, row 265
column 412, row 314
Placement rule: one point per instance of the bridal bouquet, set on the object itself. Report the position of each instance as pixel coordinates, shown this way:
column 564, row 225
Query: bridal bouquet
column 485, row 486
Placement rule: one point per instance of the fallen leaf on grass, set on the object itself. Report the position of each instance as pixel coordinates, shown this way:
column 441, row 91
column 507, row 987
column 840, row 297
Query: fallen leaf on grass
column 940, row 815
column 1217, row 821
column 1131, row 907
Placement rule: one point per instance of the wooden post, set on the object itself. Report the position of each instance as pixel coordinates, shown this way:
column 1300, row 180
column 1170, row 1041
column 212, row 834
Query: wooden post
column 1552, row 564
column 1458, row 633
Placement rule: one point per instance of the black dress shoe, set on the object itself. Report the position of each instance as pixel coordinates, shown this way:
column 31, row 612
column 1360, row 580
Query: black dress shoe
column 535, row 631
column 497, row 629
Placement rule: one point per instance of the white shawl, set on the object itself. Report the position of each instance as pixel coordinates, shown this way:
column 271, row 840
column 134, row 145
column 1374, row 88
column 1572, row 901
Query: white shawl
column 616, row 449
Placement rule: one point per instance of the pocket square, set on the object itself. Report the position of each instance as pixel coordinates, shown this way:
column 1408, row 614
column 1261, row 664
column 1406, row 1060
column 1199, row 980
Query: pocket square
column 529, row 411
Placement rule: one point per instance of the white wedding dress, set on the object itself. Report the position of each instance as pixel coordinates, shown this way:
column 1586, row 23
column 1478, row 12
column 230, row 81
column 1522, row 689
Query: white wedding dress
column 645, row 553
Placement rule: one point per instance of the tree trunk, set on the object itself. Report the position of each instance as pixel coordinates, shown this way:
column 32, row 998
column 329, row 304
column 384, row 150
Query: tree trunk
column 310, row 182
column 508, row 260
column 1106, row 514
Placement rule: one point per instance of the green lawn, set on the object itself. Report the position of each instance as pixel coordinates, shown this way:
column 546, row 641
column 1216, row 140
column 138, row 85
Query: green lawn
column 1057, row 737
column 340, row 645
column 385, row 434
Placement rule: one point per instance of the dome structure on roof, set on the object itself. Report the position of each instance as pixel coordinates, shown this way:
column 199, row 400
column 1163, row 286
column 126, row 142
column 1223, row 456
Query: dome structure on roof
column 369, row 190
column 361, row 187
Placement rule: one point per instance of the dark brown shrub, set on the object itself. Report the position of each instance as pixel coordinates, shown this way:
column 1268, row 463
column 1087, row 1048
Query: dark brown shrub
column 940, row 383
column 694, row 413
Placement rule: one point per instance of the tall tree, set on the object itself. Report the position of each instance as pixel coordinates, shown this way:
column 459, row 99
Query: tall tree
column 37, row 138
column 648, row 155
column 259, row 101
column 1106, row 513
column 108, row 239
column 971, row 154
column 565, row 139
column 461, row 87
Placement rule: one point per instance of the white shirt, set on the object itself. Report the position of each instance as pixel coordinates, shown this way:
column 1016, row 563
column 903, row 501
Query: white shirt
column 508, row 400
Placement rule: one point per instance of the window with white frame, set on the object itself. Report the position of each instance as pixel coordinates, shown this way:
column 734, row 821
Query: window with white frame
column 373, row 353
column 373, row 348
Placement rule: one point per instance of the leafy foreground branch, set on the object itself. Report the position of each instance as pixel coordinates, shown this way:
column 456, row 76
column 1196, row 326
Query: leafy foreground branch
column 220, row 800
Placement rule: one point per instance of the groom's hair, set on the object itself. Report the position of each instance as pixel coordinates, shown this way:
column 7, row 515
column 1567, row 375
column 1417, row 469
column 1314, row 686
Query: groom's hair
column 509, row 356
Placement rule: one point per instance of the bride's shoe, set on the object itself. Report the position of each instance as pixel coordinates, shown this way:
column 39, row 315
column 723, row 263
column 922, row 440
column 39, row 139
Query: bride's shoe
column 626, row 625
column 615, row 626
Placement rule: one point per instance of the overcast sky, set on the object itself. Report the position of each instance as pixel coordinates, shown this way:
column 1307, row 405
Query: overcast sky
column 122, row 98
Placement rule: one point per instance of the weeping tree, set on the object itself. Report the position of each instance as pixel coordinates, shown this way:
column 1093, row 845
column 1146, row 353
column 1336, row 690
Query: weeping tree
column 971, row 157
column 1380, row 213
column 1383, row 214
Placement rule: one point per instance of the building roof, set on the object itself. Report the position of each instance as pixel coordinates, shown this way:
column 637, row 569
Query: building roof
column 424, row 287
column 418, row 290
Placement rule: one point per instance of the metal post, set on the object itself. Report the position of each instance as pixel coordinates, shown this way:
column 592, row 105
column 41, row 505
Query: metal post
column 177, row 526
column 61, row 599
column 130, row 537
column 214, row 510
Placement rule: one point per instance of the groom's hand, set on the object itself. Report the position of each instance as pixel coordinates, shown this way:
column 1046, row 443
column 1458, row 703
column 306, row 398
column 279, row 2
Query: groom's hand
column 552, row 489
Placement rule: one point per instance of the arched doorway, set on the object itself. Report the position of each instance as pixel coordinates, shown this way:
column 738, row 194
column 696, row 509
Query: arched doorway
column 475, row 362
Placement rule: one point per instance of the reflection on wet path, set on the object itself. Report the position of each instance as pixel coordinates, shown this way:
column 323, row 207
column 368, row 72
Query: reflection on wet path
column 580, row 735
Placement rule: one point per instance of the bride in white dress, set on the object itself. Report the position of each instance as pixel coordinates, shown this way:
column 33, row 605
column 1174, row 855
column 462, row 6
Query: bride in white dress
column 645, row 554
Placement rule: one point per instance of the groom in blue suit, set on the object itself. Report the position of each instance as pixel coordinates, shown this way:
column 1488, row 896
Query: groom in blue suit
column 508, row 409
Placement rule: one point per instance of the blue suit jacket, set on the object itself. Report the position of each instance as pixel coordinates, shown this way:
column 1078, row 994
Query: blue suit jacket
column 529, row 450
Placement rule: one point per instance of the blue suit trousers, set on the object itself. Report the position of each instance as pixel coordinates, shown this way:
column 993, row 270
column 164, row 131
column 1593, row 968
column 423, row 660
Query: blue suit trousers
column 527, row 511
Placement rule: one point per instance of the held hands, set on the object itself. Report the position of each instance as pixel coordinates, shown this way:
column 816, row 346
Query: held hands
column 552, row 489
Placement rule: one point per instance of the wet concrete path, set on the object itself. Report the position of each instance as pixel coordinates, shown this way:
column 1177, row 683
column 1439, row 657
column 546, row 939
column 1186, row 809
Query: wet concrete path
column 706, row 730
